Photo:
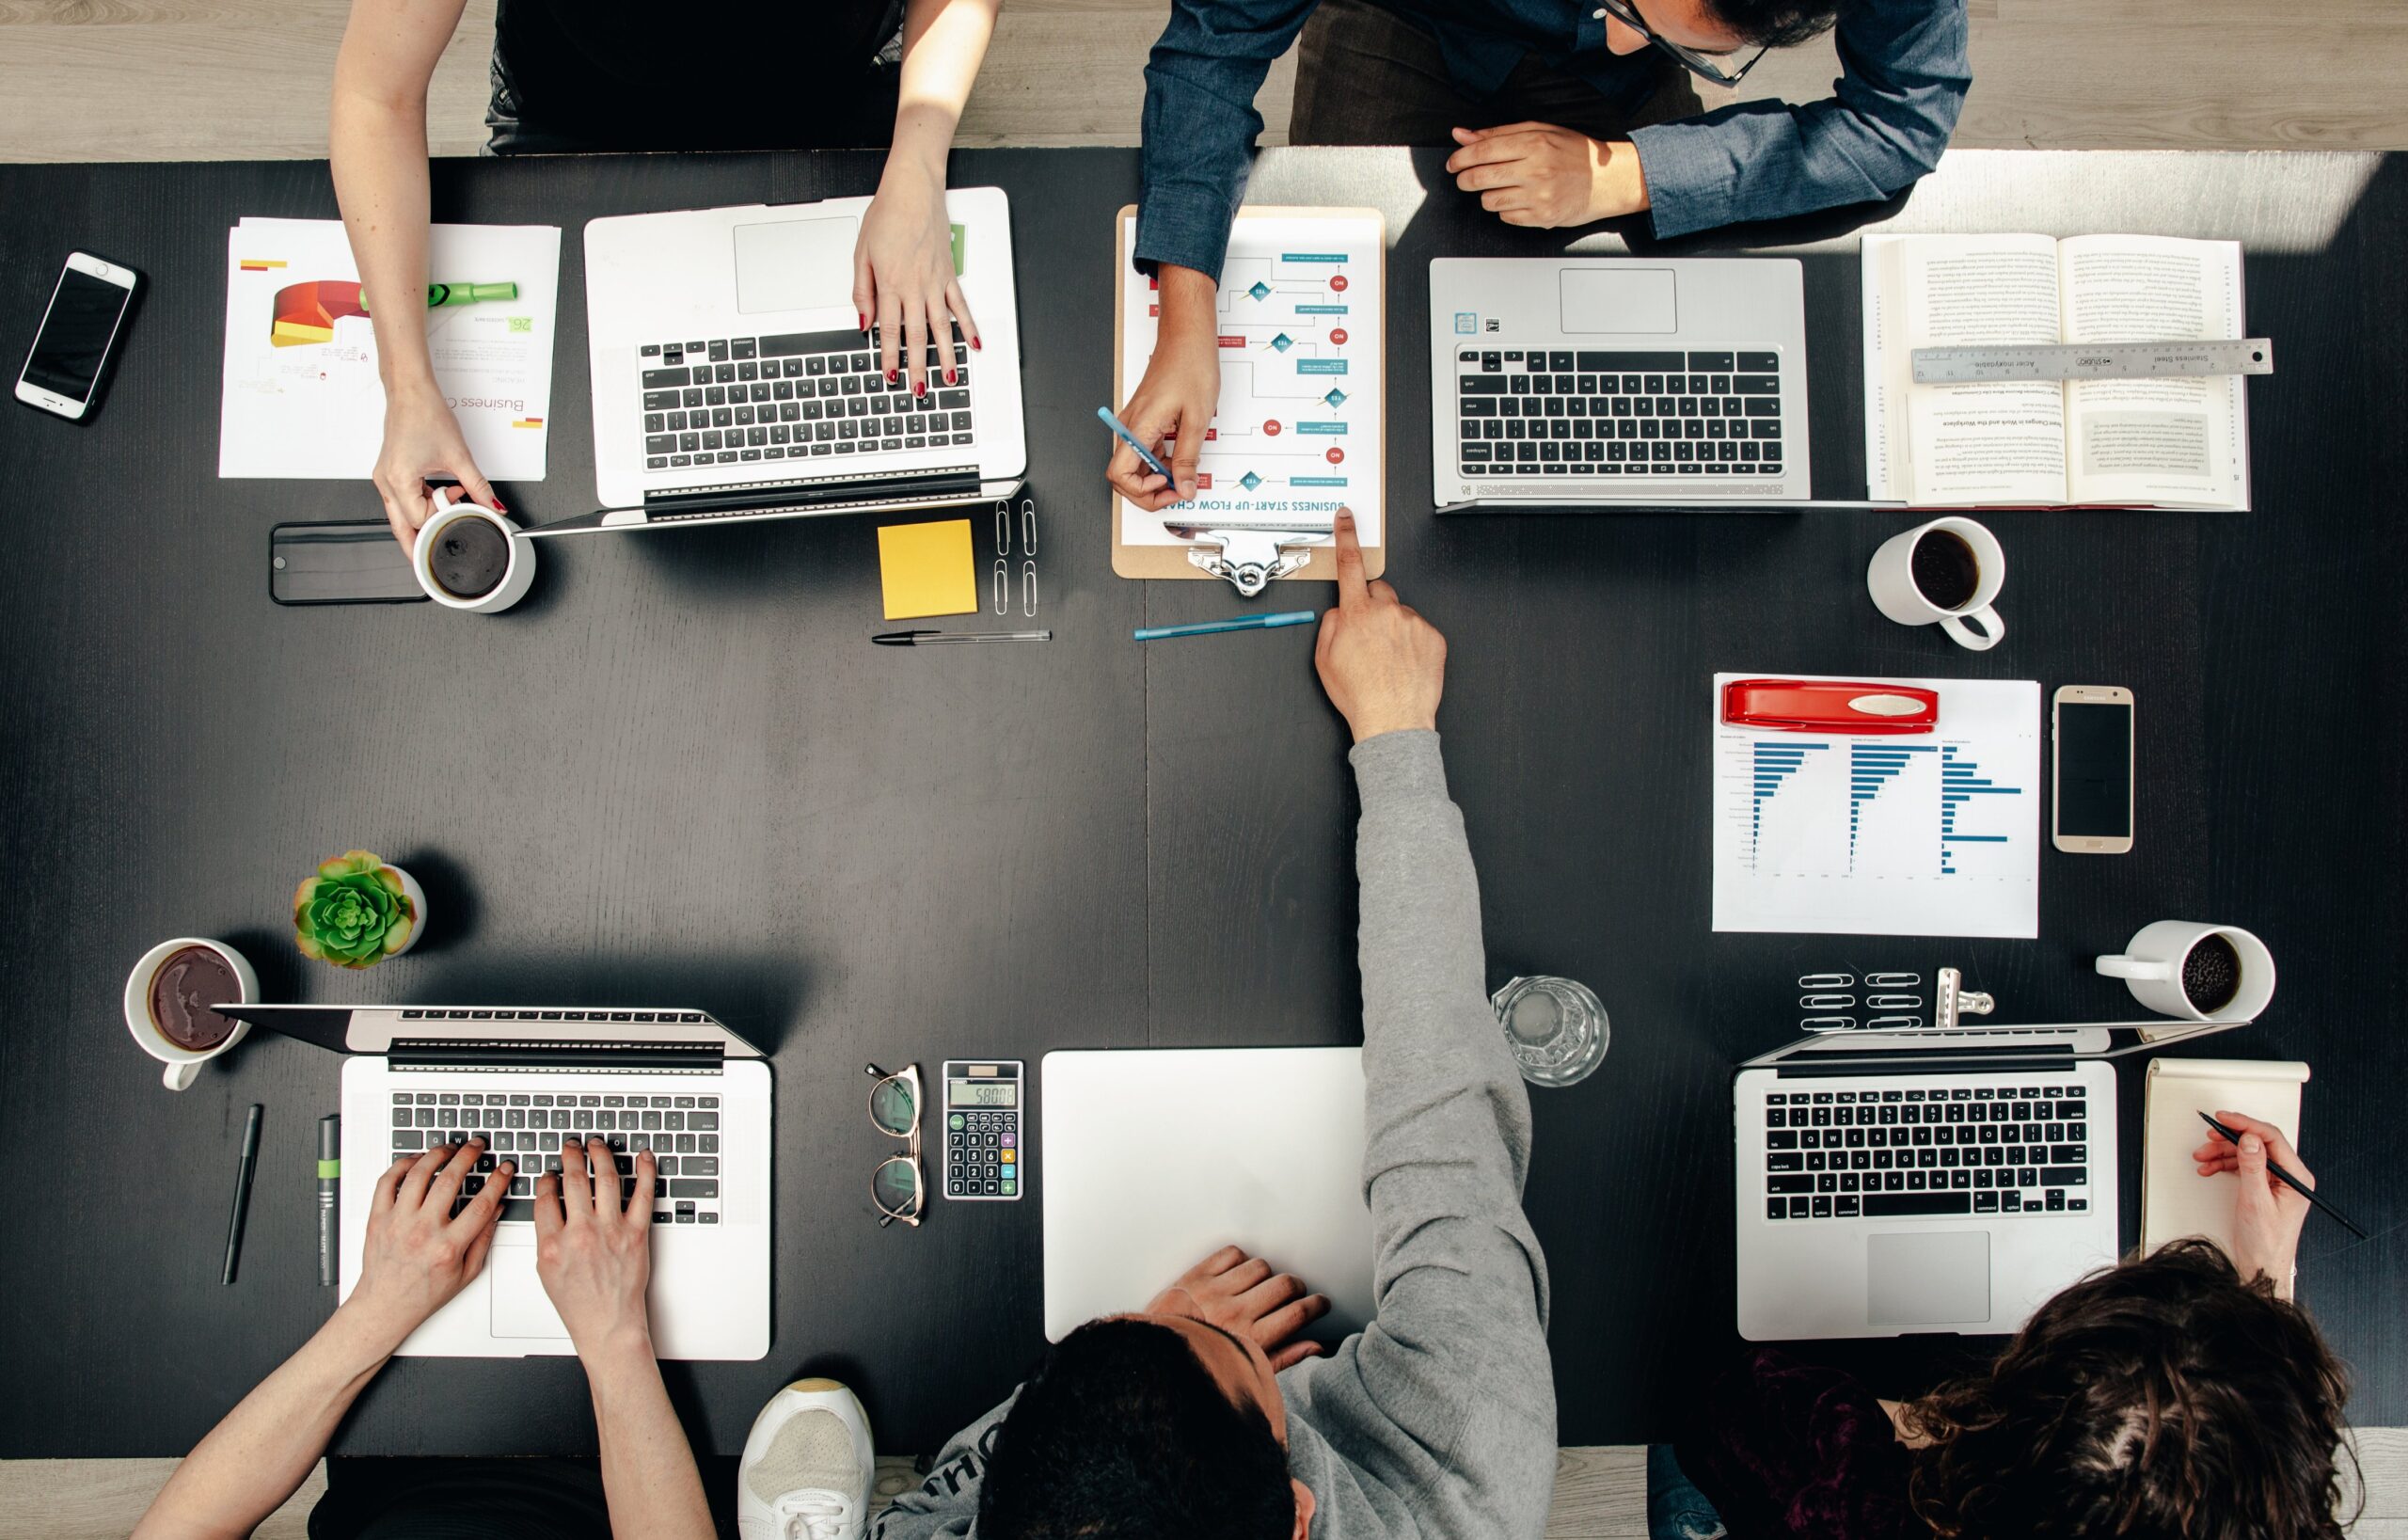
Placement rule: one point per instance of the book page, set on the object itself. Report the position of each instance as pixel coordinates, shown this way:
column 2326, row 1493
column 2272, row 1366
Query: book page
column 1995, row 442
column 2175, row 1200
column 2178, row 440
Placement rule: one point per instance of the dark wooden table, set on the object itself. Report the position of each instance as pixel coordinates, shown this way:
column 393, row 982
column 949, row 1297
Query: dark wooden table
column 680, row 772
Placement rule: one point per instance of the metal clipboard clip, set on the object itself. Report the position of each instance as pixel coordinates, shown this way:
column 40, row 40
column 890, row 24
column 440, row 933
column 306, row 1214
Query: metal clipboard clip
column 1250, row 555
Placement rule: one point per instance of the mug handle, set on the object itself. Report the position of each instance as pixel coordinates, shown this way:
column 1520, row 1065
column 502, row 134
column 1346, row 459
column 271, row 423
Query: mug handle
column 1993, row 630
column 180, row 1076
column 2146, row 970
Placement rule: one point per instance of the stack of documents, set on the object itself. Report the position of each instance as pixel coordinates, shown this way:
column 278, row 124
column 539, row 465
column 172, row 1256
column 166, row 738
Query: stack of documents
column 302, row 396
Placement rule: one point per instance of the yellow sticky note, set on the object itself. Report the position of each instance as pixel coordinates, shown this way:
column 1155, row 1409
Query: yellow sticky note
column 926, row 569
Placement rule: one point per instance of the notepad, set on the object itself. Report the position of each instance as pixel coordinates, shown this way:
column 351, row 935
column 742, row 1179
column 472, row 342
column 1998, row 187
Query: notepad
column 2175, row 1200
column 926, row 569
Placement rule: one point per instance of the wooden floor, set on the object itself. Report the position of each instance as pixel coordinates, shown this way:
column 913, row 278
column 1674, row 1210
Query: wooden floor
column 246, row 79
column 1600, row 1494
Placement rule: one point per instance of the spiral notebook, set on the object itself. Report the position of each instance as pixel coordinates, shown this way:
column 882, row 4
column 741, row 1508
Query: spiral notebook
column 2175, row 1200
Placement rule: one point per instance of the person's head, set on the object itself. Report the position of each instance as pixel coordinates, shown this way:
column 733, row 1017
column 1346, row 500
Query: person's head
column 1158, row 1426
column 1722, row 26
column 2161, row 1400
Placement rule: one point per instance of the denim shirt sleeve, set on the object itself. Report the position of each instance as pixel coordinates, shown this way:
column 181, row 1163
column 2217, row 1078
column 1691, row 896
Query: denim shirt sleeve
column 1200, row 124
column 1888, row 117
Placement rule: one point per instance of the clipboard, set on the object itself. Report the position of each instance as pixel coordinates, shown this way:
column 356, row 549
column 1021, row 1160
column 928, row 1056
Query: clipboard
column 1171, row 562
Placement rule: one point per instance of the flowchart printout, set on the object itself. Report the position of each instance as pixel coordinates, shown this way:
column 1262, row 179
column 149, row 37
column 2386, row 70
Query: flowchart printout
column 1303, row 374
column 1925, row 834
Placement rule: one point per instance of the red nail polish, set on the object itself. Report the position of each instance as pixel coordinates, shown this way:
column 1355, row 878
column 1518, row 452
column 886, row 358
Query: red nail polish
column 949, row 377
column 862, row 319
column 891, row 376
column 977, row 346
column 921, row 389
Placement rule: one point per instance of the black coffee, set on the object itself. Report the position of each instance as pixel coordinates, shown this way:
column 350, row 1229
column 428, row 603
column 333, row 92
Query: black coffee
column 469, row 558
column 1945, row 570
column 2211, row 974
column 184, row 993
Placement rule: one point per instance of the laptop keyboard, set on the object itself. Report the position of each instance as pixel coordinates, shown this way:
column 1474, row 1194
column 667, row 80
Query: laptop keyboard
column 1535, row 412
column 682, row 1130
column 794, row 396
column 1962, row 1147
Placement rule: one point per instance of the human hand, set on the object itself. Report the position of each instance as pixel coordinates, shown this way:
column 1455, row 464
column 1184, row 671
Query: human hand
column 1539, row 174
column 1382, row 665
column 1243, row 1297
column 417, row 1256
column 1176, row 398
column 2266, row 1215
column 423, row 439
column 903, row 275
column 594, row 1253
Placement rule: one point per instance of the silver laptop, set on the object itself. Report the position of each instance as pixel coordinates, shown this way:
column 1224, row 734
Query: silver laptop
column 675, row 1082
column 1155, row 1158
column 732, row 380
column 1927, row 1181
column 1599, row 382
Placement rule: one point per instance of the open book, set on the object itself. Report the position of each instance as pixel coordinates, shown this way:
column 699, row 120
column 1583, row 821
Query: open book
column 2166, row 443
column 2175, row 1200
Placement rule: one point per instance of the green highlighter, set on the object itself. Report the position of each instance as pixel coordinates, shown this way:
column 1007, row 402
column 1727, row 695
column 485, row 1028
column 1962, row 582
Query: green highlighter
column 441, row 295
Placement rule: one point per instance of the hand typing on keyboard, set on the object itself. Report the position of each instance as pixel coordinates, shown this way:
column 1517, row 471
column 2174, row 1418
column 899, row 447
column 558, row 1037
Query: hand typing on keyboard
column 419, row 1254
column 594, row 1248
column 903, row 276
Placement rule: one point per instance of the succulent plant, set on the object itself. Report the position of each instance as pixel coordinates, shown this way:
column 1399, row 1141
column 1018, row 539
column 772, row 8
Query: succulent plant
column 352, row 911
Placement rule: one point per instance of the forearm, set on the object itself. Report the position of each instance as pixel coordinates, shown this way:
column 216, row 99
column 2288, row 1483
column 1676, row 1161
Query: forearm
column 266, row 1446
column 648, row 1473
column 1190, row 303
column 943, row 43
column 378, row 139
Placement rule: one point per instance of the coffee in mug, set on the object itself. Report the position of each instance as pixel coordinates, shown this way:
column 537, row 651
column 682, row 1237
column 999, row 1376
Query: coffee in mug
column 1945, row 569
column 186, row 992
column 1945, row 573
column 2210, row 973
column 470, row 559
column 2197, row 972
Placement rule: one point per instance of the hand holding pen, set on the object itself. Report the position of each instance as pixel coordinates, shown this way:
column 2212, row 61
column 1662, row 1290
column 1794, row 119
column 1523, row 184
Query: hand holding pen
column 2273, row 1200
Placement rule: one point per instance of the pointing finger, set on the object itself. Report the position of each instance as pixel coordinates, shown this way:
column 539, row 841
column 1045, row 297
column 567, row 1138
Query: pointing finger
column 1351, row 592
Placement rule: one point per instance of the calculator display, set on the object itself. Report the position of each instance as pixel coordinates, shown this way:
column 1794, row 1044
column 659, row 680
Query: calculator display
column 983, row 1093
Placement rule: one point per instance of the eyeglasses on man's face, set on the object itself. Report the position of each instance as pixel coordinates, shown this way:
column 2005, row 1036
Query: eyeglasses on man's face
column 1715, row 69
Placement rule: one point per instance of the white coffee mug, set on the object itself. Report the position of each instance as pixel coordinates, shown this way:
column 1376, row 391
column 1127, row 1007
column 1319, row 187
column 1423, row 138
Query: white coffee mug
column 516, row 577
column 183, row 1064
column 2151, row 963
column 1891, row 579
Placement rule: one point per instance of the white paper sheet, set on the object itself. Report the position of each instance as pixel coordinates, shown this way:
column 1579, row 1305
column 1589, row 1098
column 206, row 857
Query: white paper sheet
column 1298, row 431
column 316, row 408
column 2175, row 1199
column 1835, row 834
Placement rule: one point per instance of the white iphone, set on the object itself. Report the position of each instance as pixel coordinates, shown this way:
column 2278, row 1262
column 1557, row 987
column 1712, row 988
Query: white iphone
column 2091, row 727
column 70, row 354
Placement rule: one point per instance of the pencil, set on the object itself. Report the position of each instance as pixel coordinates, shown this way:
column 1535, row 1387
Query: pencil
column 2287, row 1180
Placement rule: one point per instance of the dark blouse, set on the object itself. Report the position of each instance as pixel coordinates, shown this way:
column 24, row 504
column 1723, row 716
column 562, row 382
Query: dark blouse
column 1791, row 1452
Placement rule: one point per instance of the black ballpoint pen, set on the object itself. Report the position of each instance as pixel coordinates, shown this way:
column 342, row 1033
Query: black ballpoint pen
column 931, row 639
column 2287, row 1180
column 242, row 1191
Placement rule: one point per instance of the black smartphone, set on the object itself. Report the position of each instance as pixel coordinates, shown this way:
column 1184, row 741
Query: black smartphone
column 356, row 562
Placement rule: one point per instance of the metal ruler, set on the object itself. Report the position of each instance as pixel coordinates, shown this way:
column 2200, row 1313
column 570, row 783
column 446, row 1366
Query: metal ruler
column 2096, row 361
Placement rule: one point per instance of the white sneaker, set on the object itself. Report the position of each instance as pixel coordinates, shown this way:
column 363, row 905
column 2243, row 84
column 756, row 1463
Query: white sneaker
column 807, row 1467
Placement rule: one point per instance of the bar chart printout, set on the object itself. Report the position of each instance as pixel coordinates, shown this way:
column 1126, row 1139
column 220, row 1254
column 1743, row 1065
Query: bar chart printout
column 1932, row 835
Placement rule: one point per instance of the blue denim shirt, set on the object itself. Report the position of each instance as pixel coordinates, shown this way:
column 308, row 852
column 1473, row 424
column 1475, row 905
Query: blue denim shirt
column 1885, row 124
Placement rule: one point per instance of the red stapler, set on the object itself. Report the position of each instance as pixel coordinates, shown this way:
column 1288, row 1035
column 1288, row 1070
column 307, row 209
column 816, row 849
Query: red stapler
column 1829, row 705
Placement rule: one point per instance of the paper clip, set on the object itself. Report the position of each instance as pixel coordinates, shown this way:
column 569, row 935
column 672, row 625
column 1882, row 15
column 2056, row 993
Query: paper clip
column 1894, row 1024
column 1893, row 1001
column 1892, row 980
column 1003, row 530
column 1827, row 981
column 1828, row 1023
column 1028, row 525
column 1826, row 1002
column 1002, row 586
column 1028, row 588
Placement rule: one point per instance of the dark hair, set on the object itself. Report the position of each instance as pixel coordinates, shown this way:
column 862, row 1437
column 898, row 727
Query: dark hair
column 1122, row 1434
column 2161, row 1400
column 1778, row 23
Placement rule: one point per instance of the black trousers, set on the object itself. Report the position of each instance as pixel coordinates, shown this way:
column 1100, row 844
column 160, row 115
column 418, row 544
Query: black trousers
column 1366, row 75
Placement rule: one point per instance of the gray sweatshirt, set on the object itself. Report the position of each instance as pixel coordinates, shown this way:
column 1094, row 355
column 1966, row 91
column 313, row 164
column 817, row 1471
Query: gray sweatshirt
column 1438, row 1419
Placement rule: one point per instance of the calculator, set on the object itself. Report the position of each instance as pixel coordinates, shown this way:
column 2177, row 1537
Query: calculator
column 984, row 1157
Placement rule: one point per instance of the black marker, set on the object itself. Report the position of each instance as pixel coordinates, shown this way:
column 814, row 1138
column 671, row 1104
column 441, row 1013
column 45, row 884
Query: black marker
column 242, row 1193
column 330, row 1184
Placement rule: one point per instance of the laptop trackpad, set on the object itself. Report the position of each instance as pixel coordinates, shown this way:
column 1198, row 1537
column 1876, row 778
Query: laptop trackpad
column 1619, row 299
column 1927, row 1280
column 794, row 264
column 520, row 1306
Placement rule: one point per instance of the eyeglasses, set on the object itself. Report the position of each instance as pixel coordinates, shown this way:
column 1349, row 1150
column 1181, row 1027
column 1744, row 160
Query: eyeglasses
column 897, row 1186
column 1712, row 68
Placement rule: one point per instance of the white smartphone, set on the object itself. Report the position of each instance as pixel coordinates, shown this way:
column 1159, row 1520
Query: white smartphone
column 71, row 355
column 2091, row 797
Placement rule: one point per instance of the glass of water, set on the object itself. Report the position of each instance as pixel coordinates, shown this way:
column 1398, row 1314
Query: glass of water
column 1557, row 1028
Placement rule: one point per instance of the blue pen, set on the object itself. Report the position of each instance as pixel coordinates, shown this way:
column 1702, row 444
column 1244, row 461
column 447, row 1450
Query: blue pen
column 1244, row 623
column 1120, row 430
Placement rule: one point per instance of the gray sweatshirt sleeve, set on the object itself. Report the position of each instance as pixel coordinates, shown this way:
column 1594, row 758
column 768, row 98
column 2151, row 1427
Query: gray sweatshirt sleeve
column 1445, row 1406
